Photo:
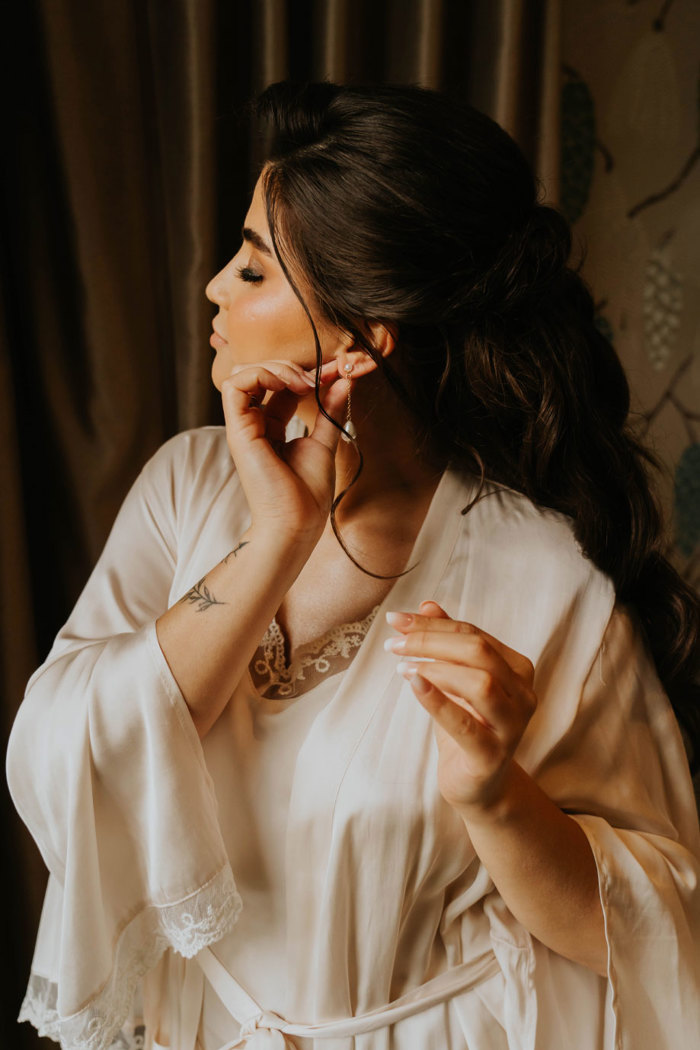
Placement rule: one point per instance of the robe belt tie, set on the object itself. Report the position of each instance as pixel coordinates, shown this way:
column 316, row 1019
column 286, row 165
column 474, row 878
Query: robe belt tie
column 262, row 1032
column 265, row 1030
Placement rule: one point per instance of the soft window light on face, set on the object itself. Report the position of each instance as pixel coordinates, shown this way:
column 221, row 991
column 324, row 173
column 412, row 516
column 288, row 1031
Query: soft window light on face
column 260, row 318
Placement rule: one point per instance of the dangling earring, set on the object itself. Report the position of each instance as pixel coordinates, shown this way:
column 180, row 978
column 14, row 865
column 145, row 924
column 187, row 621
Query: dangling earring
column 349, row 427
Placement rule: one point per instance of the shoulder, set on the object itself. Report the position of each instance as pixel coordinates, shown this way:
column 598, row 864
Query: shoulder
column 523, row 572
column 190, row 450
column 191, row 458
column 514, row 529
column 517, row 530
column 187, row 475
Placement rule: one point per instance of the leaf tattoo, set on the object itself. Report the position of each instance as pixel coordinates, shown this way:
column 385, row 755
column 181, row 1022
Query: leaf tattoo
column 201, row 597
column 234, row 552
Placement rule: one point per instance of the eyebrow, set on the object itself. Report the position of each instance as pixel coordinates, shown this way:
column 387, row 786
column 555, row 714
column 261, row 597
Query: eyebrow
column 256, row 240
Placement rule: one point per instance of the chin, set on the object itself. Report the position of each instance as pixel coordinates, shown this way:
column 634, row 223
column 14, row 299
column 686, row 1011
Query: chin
column 220, row 367
column 215, row 377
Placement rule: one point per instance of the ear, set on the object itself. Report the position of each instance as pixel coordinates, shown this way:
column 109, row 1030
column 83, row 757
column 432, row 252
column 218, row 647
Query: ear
column 381, row 336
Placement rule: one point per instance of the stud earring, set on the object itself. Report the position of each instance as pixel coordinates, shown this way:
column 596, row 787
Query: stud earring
column 349, row 427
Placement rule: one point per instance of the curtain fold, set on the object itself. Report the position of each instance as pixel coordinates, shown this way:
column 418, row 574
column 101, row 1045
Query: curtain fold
column 130, row 164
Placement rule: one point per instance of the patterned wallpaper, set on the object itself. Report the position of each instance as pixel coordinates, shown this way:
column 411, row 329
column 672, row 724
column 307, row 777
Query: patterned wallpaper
column 631, row 187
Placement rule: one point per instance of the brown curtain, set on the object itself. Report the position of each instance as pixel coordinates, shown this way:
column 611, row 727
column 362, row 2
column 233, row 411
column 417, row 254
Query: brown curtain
column 130, row 165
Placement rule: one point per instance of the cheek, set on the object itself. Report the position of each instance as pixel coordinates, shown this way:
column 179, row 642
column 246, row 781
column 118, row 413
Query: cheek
column 253, row 326
column 261, row 312
column 272, row 310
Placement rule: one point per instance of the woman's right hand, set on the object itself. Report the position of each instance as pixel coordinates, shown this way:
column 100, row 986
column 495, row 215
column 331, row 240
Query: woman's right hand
column 290, row 486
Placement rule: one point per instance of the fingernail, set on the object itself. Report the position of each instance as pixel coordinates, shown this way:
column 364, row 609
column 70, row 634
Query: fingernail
column 399, row 620
column 308, row 379
column 395, row 645
column 406, row 669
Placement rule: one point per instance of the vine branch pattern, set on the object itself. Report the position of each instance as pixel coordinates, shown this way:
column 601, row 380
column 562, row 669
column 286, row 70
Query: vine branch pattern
column 201, row 597
column 669, row 396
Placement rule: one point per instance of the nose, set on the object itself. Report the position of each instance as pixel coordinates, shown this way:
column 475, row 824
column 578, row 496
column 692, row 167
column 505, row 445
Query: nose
column 215, row 291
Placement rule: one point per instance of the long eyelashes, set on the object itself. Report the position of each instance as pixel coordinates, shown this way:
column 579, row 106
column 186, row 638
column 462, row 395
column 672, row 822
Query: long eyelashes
column 246, row 274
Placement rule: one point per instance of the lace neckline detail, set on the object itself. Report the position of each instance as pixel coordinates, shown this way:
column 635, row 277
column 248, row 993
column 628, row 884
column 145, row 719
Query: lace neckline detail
column 274, row 679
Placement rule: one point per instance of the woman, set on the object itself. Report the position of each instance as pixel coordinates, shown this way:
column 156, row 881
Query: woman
column 259, row 834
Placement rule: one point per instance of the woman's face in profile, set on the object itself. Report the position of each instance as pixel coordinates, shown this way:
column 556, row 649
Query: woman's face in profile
column 260, row 317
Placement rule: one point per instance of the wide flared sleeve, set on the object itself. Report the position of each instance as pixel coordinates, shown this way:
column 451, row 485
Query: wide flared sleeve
column 605, row 746
column 620, row 770
column 107, row 771
column 622, row 773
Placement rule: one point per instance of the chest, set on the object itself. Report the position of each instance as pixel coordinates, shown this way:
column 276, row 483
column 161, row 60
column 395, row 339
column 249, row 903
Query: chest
column 331, row 590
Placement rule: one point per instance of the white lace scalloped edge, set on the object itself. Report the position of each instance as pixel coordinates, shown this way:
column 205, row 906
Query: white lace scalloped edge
column 187, row 927
column 271, row 663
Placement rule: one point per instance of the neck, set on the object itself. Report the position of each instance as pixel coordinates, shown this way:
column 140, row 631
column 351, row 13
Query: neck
column 394, row 473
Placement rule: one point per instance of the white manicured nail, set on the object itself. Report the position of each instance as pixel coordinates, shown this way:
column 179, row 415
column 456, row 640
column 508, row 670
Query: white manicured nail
column 406, row 669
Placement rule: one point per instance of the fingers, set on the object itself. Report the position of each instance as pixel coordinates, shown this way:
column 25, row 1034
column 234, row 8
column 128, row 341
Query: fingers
column 483, row 696
column 470, row 650
column 243, row 392
column 478, row 692
column 251, row 383
column 483, row 680
column 278, row 411
column 242, row 395
column 432, row 634
column 468, row 730
column 433, row 610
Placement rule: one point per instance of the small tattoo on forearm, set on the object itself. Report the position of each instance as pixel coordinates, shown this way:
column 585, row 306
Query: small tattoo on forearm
column 234, row 552
column 201, row 597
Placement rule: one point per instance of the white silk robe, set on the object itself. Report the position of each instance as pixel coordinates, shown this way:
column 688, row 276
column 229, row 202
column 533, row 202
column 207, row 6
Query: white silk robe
column 156, row 852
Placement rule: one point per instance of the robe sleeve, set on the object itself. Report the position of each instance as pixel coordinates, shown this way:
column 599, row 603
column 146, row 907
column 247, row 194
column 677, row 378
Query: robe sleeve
column 621, row 771
column 106, row 769
column 605, row 746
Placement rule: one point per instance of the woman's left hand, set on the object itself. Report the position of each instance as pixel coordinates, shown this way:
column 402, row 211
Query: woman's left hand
column 480, row 696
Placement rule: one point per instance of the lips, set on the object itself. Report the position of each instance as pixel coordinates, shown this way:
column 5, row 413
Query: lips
column 216, row 340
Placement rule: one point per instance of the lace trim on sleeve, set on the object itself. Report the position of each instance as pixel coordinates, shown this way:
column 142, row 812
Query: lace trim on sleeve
column 187, row 927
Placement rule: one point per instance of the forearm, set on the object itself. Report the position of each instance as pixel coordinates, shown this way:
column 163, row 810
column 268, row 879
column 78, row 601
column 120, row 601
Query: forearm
column 209, row 636
column 542, row 865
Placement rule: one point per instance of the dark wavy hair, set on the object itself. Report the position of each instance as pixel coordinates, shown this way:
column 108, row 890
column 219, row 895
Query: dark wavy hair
column 403, row 206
